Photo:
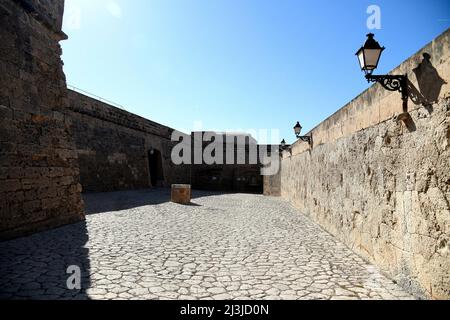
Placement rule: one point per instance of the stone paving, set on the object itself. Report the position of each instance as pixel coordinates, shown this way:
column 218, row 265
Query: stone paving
column 137, row 245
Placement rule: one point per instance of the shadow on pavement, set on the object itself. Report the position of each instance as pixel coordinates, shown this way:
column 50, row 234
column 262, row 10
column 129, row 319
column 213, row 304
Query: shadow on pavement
column 36, row 267
column 124, row 200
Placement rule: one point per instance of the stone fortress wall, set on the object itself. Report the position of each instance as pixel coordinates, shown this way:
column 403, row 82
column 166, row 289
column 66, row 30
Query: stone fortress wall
column 243, row 174
column 113, row 147
column 382, row 185
column 39, row 175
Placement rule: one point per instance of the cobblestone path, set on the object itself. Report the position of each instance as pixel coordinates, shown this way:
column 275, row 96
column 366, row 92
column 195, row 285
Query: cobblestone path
column 137, row 245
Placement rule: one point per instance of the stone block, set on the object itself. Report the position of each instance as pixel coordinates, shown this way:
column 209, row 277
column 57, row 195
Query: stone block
column 50, row 203
column 181, row 193
column 5, row 112
column 10, row 185
column 31, row 206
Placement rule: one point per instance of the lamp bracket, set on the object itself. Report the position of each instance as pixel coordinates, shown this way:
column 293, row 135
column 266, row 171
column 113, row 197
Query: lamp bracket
column 393, row 83
column 307, row 139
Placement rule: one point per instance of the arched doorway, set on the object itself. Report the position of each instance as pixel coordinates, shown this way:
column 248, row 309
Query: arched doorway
column 155, row 168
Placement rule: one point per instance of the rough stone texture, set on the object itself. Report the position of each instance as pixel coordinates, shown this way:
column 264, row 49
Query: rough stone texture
column 138, row 245
column 113, row 147
column 381, row 185
column 272, row 185
column 39, row 176
column 385, row 193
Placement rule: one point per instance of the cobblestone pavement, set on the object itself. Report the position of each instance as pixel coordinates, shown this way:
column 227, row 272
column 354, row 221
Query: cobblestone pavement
column 137, row 245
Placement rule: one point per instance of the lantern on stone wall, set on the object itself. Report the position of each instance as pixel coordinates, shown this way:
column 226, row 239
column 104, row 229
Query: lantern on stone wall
column 369, row 55
column 298, row 129
column 298, row 133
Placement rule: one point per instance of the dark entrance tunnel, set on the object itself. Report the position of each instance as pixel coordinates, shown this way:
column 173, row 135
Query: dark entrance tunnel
column 155, row 168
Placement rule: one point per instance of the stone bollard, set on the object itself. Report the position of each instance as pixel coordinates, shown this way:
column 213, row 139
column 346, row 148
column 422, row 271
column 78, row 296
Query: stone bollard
column 181, row 193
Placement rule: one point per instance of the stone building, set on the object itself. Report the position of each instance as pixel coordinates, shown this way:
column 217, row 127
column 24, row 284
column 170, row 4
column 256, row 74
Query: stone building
column 238, row 169
column 118, row 150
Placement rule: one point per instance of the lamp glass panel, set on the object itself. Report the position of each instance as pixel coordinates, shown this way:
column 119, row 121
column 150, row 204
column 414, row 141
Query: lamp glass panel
column 361, row 59
column 372, row 56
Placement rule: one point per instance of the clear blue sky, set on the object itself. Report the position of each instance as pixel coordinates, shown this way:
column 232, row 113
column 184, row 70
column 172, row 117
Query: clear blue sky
column 236, row 64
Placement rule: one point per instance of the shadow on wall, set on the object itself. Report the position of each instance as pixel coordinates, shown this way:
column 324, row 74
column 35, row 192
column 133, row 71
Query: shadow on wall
column 36, row 267
column 430, row 84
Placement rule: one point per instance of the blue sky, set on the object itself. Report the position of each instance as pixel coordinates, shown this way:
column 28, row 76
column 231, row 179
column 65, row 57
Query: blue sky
column 236, row 64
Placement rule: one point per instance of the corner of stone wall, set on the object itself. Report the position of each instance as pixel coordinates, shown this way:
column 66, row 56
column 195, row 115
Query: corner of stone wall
column 39, row 175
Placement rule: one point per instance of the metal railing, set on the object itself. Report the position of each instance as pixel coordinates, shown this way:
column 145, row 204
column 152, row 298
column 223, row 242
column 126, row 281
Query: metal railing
column 93, row 96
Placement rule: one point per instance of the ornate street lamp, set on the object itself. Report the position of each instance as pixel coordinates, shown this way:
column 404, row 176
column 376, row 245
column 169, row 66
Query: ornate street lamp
column 369, row 56
column 283, row 145
column 298, row 131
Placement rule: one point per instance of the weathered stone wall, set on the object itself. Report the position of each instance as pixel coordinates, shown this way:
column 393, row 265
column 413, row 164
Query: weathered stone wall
column 272, row 185
column 230, row 178
column 113, row 150
column 113, row 147
column 239, row 176
column 39, row 177
column 380, row 185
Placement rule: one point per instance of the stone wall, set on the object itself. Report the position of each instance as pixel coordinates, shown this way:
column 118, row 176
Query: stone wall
column 39, row 176
column 242, row 176
column 272, row 185
column 113, row 147
column 380, row 184
column 113, row 150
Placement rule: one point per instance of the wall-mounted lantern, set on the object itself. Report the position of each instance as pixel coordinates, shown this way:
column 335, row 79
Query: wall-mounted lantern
column 283, row 146
column 369, row 56
column 298, row 133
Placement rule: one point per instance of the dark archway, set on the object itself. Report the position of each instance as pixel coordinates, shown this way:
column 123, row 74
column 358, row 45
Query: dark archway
column 155, row 168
